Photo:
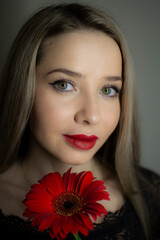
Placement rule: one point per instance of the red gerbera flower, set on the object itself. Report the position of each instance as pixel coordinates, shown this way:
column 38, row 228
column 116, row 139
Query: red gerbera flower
column 64, row 203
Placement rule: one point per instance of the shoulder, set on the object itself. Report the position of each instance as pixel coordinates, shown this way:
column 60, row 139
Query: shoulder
column 149, row 174
column 148, row 180
column 149, row 183
column 12, row 191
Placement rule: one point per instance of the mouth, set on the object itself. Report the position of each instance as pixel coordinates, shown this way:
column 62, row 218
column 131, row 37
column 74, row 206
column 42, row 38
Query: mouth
column 81, row 141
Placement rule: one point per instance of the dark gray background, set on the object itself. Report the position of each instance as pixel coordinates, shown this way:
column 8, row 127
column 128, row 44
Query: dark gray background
column 140, row 22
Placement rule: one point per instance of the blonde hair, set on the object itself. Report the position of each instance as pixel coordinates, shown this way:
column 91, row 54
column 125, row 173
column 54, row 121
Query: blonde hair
column 18, row 86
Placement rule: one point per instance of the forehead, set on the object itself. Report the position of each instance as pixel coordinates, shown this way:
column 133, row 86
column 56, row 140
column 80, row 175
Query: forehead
column 83, row 51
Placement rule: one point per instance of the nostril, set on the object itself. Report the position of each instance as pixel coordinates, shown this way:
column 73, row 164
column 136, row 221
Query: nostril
column 88, row 113
column 86, row 122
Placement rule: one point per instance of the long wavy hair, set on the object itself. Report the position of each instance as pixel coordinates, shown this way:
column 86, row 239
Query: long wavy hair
column 120, row 153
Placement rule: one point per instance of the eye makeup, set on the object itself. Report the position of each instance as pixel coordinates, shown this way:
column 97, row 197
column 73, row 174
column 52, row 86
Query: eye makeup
column 66, row 85
column 114, row 90
column 63, row 86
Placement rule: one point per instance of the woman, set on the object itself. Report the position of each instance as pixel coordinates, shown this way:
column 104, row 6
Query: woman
column 69, row 75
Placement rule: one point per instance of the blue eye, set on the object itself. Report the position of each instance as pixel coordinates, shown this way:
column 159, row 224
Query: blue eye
column 62, row 86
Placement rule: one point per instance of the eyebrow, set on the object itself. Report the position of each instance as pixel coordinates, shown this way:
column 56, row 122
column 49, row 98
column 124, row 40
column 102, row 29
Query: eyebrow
column 114, row 78
column 77, row 74
column 66, row 71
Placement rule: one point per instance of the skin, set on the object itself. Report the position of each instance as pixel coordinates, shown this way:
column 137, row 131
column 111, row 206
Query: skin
column 83, row 109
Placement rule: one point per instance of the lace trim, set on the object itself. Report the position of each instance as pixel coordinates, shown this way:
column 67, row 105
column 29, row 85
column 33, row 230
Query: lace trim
column 112, row 217
column 18, row 223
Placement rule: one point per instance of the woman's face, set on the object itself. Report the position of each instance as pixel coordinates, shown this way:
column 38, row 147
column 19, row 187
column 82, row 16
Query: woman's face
column 77, row 94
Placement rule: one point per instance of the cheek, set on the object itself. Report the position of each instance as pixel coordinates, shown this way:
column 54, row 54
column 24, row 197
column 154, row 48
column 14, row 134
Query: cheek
column 111, row 118
column 47, row 116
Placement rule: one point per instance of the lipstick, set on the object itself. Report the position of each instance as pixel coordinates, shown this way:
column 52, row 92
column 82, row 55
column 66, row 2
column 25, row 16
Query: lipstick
column 81, row 141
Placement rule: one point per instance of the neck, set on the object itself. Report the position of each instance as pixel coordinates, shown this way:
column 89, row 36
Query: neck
column 38, row 163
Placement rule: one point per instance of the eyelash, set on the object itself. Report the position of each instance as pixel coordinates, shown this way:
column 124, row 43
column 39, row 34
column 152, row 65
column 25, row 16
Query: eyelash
column 114, row 87
column 61, row 81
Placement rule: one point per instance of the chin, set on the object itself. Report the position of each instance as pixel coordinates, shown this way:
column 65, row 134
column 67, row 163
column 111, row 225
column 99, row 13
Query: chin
column 75, row 161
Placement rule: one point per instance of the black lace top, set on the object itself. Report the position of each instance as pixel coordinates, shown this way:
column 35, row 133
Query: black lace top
column 121, row 225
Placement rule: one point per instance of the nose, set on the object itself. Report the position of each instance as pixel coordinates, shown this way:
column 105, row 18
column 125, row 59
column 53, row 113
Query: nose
column 88, row 111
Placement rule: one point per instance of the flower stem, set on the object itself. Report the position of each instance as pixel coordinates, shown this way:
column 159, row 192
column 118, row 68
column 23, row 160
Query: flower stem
column 77, row 237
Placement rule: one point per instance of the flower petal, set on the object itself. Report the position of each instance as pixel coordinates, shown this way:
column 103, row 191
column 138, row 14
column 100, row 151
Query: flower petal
column 70, row 187
column 85, row 181
column 39, row 190
column 46, row 221
column 96, row 197
column 53, row 182
column 56, row 228
column 94, row 186
column 68, row 179
column 78, row 176
column 93, row 213
column 82, row 181
column 65, row 177
column 81, row 228
column 39, row 206
column 41, row 197
column 99, row 208
column 40, row 203
column 66, row 225
column 75, row 228
column 29, row 214
column 83, row 219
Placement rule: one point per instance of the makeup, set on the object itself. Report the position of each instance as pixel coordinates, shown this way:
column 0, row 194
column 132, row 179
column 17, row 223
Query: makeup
column 81, row 141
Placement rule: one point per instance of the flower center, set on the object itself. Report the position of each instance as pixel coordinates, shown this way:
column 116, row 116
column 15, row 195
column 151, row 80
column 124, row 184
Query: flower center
column 68, row 204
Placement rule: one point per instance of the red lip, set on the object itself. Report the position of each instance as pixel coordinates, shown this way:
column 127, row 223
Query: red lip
column 81, row 141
